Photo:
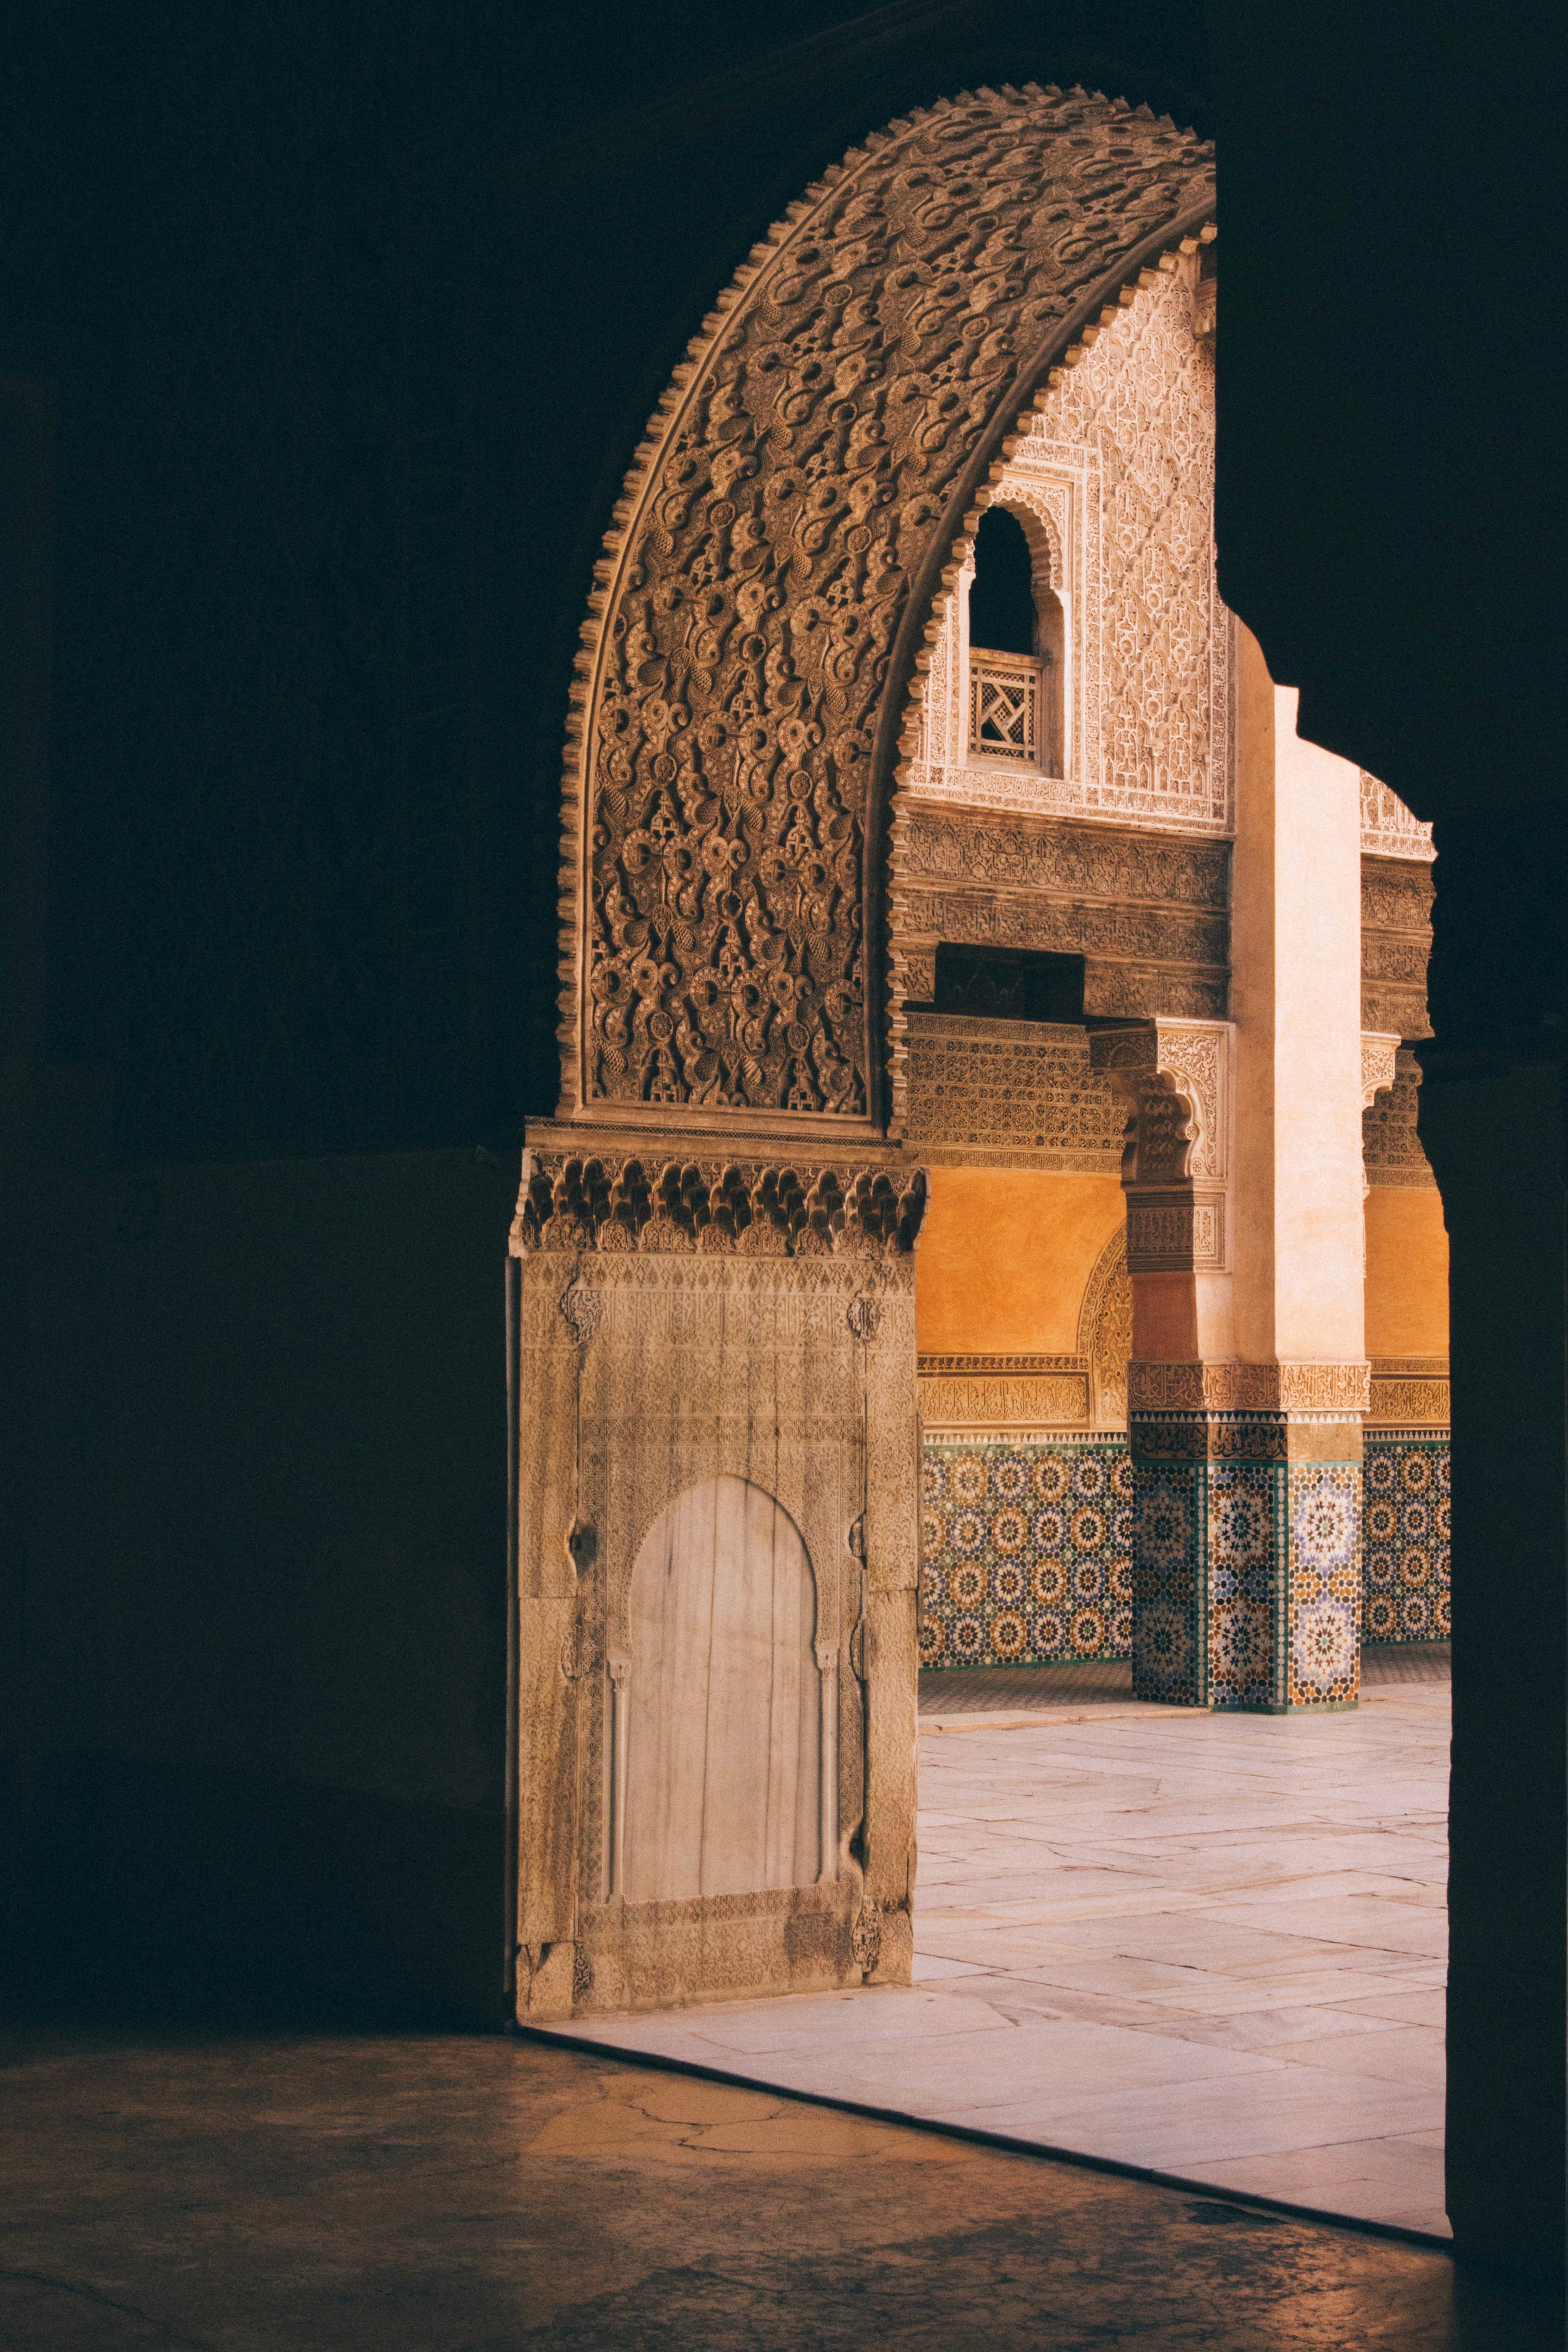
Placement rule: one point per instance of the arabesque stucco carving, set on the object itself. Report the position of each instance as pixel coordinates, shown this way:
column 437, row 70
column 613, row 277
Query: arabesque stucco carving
column 800, row 473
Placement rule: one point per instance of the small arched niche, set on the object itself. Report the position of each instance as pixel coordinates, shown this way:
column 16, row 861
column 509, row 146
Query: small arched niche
column 721, row 1758
column 1017, row 646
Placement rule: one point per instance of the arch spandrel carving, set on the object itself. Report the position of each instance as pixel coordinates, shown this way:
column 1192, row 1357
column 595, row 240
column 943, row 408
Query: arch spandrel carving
column 750, row 628
column 1105, row 1333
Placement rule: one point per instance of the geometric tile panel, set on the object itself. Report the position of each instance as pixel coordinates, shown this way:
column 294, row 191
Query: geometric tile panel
column 1246, row 1506
column 1170, row 1591
column 1026, row 1551
column 1406, row 1587
column 1323, row 1652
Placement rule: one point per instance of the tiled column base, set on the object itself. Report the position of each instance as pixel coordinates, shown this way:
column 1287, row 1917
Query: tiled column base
column 1246, row 1560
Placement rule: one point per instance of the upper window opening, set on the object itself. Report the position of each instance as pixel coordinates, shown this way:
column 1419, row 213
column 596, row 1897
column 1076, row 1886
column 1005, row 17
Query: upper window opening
column 1001, row 603
column 1016, row 648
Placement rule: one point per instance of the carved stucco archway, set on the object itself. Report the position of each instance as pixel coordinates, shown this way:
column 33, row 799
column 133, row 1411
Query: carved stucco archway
column 765, row 594
column 738, row 1224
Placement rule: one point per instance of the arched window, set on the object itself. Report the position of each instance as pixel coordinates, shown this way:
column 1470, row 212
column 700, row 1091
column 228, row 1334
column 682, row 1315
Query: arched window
column 1001, row 602
column 1016, row 649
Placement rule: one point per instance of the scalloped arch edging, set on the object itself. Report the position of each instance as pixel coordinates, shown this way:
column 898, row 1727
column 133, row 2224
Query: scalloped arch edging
column 759, row 616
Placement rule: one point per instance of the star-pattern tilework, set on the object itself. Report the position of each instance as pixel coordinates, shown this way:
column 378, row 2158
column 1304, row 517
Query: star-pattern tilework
column 1026, row 1551
column 1170, row 1592
column 1324, row 1635
column 1405, row 1594
column 1246, row 1506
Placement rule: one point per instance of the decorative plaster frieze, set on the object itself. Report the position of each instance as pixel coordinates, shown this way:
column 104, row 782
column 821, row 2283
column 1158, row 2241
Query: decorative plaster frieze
column 1378, row 1064
column 571, row 1204
column 1410, row 1390
column 1389, row 829
column 1117, row 469
column 1336, row 1389
column 1061, row 1402
column 1009, row 1093
column 1171, row 1231
column 1105, row 1332
column 1176, row 1077
column 1392, row 1152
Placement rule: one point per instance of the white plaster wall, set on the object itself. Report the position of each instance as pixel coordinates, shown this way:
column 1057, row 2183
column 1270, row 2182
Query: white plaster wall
column 1296, row 996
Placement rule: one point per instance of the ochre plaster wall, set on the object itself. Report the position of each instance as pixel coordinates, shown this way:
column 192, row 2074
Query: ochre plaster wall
column 1004, row 1256
column 1407, row 1272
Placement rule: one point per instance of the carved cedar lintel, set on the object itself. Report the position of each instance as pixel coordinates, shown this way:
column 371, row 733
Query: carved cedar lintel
column 1396, row 932
column 571, row 1203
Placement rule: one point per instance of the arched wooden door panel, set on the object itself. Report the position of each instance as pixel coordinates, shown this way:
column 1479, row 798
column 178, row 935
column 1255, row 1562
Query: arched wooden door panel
column 722, row 1746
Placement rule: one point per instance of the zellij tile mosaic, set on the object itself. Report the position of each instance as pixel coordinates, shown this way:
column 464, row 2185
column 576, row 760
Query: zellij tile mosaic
column 1029, row 1547
column 1323, row 1656
column 1169, row 1595
column 1406, row 1594
column 1027, row 1552
column 1244, row 1507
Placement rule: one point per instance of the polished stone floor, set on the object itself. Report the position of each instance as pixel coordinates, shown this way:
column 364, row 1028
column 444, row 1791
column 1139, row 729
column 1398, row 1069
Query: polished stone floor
column 1209, row 1946
column 277, row 2193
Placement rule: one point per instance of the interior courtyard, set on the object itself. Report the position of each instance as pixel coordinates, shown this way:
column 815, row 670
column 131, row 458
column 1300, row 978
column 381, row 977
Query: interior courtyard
column 1147, row 1265
column 782, row 1105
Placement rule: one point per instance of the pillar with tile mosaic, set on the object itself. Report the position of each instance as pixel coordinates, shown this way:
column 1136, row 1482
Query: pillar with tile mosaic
column 1246, row 1542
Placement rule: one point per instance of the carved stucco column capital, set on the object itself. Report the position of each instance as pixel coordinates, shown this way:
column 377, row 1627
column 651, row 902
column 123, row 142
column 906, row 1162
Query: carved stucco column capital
column 1379, row 1049
column 1178, row 1080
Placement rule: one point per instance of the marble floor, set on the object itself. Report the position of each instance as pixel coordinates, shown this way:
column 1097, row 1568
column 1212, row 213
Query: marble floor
column 1210, row 1947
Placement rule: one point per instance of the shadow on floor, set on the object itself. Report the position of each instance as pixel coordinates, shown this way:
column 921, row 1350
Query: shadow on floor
column 440, row 2194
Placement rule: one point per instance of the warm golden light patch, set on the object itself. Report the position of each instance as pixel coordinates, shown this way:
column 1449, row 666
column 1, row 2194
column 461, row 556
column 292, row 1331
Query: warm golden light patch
column 1005, row 1255
column 1407, row 1272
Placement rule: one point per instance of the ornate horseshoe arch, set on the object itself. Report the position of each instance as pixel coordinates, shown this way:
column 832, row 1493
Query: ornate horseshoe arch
column 725, row 1171
column 763, row 601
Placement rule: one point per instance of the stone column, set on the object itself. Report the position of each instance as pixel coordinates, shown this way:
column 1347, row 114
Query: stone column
column 1178, row 1080
column 1299, row 1225
column 1243, row 1176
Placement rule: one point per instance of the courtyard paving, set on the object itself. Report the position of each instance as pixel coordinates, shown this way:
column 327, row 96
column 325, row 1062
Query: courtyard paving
column 1211, row 1947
